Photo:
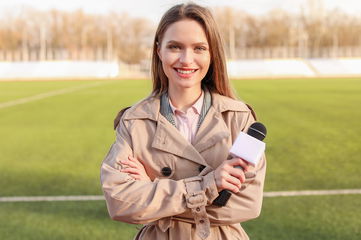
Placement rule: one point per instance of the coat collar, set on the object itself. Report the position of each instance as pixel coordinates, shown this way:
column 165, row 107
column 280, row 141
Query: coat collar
column 167, row 112
column 168, row 139
column 223, row 104
column 149, row 108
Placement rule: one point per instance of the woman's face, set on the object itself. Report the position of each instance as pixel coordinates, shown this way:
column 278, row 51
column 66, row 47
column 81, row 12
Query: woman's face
column 185, row 56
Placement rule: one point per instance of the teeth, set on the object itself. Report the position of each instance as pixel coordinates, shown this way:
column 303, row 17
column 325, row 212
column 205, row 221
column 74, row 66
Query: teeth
column 186, row 71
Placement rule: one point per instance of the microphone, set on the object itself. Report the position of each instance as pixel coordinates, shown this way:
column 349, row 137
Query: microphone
column 250, row 148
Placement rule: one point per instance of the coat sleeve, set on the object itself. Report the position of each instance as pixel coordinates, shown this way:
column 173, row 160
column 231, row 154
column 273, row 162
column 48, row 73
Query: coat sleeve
column 140, row 202
column 247, row 203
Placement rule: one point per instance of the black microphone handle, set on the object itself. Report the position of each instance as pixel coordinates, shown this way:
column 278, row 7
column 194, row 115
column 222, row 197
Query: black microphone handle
column 223, row 196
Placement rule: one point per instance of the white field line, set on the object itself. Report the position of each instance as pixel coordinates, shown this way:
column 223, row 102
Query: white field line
column 48, row 94
column 52, row 198
column 100, row 197
column 312, row 192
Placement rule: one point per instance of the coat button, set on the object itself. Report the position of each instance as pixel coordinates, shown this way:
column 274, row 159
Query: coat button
column 166, row 171
column 201, row 167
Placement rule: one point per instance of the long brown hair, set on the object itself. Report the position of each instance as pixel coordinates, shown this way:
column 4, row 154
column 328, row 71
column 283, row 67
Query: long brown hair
column 216, row 79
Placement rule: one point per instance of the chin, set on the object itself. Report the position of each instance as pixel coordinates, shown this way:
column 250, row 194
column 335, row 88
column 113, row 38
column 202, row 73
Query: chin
column 189, row 85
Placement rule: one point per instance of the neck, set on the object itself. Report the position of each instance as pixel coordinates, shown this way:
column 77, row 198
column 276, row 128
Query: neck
column 185, row 98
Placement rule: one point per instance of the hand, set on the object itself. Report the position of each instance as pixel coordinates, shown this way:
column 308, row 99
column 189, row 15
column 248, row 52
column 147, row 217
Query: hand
column 134, row 168
column 231, row 178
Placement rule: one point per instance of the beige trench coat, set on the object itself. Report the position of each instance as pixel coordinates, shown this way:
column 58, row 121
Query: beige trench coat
column 176, row 204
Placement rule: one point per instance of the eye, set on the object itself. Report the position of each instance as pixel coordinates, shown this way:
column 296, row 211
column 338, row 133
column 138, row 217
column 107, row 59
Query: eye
column 173, row 47
column 200, row 48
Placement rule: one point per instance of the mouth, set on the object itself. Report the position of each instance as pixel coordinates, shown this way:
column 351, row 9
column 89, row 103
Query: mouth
column 185, row 70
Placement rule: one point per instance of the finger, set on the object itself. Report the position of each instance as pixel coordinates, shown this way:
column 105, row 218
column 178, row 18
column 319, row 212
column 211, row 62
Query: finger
column 242, row 163
column 225, row 181
column 232, row 171
column 129, row 163
column 234, row 181
column 229, row 186
column 239, row 162
column 238, row 173
column 140, row 177
column 130, row 170
column 135, row 161
column 136, row 177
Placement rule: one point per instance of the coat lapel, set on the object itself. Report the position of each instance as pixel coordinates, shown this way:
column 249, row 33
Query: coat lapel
column 168, row 139
column 212, row 130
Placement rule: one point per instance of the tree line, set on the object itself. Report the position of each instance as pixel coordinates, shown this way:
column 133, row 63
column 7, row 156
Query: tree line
column 129, row 39
column 313, row 29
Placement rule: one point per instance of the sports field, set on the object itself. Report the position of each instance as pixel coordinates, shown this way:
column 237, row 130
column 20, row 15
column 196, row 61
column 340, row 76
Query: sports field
column 54, row 135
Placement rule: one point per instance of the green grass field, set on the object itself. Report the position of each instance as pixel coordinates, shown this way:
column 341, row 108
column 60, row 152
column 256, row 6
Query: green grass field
column 54, row 146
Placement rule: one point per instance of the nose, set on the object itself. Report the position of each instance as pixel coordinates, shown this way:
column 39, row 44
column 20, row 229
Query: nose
column 186, row 57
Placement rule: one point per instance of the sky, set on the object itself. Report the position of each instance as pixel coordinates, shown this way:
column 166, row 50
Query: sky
column 153, row 9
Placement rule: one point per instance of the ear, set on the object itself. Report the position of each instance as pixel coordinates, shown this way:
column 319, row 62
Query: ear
column 158, row 51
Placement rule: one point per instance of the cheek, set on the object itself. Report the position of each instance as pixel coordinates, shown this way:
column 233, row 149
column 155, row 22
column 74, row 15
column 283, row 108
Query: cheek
column 205, row 61
column 167, row 62
column 168, row 58
column 167, row 65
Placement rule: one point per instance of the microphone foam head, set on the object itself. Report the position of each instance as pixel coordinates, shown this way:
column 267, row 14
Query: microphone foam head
column 257, row 130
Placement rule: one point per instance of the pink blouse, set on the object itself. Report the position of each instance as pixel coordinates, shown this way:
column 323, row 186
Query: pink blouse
column 187, row 121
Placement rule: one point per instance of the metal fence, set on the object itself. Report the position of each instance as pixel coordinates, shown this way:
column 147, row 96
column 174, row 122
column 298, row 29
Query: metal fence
column 297, row 52
column 99, row 54
column 104, row 54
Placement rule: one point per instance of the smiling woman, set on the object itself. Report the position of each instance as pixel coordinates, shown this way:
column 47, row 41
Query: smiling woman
column 185, row 56
column 171, row 156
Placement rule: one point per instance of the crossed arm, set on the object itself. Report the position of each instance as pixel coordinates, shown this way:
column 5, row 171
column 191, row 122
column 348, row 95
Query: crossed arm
column 226, row 175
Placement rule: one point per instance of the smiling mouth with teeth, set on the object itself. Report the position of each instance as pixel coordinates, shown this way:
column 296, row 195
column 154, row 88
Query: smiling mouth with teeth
column 186, row 71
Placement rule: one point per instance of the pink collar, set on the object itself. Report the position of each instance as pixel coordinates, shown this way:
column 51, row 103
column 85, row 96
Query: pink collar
column 197, row 106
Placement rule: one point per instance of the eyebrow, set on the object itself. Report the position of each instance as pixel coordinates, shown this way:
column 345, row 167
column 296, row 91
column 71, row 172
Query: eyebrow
column 198, row 43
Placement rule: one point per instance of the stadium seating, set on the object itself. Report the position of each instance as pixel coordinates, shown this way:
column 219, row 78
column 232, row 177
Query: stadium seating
column 237, row 69
column 58, row 69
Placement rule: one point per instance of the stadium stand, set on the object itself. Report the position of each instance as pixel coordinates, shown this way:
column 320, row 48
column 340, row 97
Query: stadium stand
column 339, row 67
column 58, row 69
column 295, row 67
column 263, row 68
column 269, row 68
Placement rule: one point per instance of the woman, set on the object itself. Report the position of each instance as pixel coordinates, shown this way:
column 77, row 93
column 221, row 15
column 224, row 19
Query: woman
column 171, row 155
